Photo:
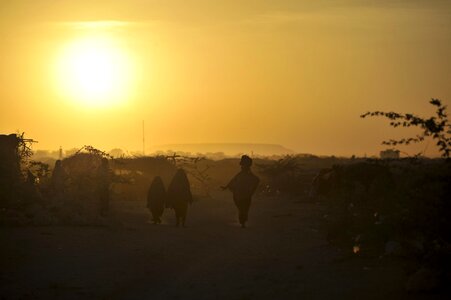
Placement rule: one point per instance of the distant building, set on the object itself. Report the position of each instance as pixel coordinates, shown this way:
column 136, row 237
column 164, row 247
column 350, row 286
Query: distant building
column 389, row 154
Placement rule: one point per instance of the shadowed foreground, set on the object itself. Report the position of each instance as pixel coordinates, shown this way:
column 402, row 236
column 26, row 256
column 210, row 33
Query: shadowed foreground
column 283, row 253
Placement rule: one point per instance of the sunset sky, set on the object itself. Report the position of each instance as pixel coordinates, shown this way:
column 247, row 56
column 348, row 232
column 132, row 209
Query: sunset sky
column 296, row 73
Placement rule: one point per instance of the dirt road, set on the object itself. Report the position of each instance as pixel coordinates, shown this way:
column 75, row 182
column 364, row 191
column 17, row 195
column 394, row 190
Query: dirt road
column 283, row 254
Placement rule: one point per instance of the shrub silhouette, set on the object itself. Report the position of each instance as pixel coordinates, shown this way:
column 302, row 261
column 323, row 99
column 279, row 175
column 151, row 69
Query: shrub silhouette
column 437, row 127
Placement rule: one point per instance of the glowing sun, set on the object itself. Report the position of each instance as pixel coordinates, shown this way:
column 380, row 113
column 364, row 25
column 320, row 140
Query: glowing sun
column 95, row 71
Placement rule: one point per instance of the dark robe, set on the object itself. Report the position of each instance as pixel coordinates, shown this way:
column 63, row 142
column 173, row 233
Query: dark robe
column 156, row 199
column 179, row 196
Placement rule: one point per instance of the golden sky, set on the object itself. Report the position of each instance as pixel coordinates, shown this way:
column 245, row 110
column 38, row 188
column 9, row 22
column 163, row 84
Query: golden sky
column 296, row 73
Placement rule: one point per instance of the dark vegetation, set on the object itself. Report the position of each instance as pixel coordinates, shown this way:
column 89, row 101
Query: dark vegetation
column 437, row 127
column 394, row 208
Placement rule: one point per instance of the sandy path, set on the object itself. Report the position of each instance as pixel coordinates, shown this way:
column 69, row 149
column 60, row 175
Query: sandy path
column 283, row 253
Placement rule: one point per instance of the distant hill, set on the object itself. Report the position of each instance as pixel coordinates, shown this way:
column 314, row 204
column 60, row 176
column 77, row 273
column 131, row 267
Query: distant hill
column 227, row 148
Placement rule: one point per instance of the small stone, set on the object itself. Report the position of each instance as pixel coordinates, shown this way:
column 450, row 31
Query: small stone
column 393, row 248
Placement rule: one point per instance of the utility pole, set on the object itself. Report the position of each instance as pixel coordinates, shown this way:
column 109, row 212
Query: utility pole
column 144, row 142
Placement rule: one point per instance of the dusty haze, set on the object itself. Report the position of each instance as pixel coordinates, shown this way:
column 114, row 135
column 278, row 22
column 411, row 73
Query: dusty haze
column 295, row 73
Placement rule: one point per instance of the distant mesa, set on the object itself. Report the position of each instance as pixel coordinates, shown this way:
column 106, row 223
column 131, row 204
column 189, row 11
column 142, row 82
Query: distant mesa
column 227, row 148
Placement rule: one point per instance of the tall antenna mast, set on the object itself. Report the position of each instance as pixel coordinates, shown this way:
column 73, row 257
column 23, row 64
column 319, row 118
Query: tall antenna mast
column 144, row 142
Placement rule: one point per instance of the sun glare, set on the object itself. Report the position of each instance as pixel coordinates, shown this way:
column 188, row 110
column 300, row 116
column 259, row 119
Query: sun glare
column 94, row 71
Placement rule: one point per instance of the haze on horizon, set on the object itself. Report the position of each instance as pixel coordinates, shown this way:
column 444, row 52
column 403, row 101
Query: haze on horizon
column 295, row 73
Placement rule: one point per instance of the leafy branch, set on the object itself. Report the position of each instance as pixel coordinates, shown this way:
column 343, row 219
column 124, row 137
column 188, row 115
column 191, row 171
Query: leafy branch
column 24, row 147
column 437, row 127
column 94, row 151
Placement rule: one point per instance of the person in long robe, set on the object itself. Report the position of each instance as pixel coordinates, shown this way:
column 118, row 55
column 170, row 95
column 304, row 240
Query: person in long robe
column 156, row 199
column 179, row 196
column 243, row 185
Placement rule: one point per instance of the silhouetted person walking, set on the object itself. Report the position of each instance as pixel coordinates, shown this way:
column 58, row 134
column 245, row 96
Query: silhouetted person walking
column 179, row 196
column 156, row 198
column 243, row 186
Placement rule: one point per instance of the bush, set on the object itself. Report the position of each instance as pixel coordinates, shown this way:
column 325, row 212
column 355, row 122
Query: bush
column 398, row 207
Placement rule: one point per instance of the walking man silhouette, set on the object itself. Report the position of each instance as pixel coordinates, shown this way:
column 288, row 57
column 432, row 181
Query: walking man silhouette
column 243, row 186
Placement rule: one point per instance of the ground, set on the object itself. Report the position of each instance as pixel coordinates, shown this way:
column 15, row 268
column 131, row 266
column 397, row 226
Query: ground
column 283, row 254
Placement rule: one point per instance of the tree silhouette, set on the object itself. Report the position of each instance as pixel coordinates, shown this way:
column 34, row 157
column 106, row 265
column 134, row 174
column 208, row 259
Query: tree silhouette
column 437, row 127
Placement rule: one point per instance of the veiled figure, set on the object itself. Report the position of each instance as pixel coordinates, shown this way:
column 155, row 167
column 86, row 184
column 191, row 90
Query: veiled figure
column 179, row 196
column 156, row 199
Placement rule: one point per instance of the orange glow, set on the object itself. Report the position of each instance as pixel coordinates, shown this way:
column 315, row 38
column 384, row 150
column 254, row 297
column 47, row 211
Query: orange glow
column 93, row 71
column 294, row 73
